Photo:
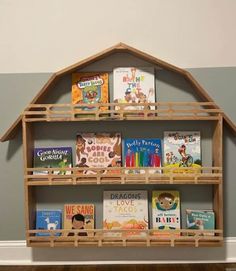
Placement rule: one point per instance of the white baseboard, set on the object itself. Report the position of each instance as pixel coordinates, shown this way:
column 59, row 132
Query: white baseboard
column 16, row 253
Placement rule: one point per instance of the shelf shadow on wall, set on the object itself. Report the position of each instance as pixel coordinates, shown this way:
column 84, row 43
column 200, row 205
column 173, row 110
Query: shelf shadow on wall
column 121, row 255
column 13, row 146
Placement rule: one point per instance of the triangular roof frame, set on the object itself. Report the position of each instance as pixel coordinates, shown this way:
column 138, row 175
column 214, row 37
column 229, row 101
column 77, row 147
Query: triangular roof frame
column 120, row 47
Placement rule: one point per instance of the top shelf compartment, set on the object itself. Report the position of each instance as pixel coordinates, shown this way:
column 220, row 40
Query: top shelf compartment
column 121, row 111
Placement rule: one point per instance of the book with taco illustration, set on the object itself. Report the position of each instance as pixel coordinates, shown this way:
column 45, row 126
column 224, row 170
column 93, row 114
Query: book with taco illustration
column 90, row 88
column 182, row 149
column 134, row 85
column 200, row 220
column 142, row 152
column 98, row 150
column 125, row 210
column 58, row 157
column 79, row 217
column 48, row 220
column 165, row 211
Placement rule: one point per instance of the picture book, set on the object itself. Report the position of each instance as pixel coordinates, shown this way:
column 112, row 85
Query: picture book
column 182, row 149
column 58, row 157
column 98, row 150
column 90, row 88
column 125, row 210
column 200, row 220
column 48, row 220
column 79, row 217
column 142, row 152
column 165, row 211
column 134, row 85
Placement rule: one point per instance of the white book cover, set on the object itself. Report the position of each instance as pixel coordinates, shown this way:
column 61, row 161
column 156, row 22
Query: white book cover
column 126, row 210
column 134, row 85
column 182, row 149
column 165, row 211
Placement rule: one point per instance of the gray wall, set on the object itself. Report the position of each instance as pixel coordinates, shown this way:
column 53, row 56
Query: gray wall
column 17, row 90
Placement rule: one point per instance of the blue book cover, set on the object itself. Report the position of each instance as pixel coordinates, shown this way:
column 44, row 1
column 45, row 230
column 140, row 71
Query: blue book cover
column 48, row 220
column 57, row 157
column 142, row 152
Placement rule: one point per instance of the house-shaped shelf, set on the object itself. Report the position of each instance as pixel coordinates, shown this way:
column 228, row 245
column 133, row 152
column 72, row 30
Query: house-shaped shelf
column 40, row 112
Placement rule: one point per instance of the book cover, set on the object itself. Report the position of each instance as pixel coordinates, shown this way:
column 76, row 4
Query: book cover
column 134, row 85
column 165, row 211
column 90, row 88
column 98, row 150
column 58, row 157
column 126, row 210
column 182, row 149
column 79, row 217
column 200, row 220
column 142, row 152
column 48, row 220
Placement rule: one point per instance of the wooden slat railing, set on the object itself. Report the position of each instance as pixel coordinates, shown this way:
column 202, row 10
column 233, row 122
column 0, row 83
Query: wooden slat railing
column 122, row 111
column 124, row 175
column 148, row 238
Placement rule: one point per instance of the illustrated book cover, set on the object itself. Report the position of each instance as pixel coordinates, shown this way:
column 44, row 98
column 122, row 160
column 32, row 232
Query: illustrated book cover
column 79, row 217
column 142, row 152
column 90, row 88
column 125, row 210
column 98, row 150
column 165, row 211
column 182, row 149
column 200, row 220
column 58, row 157
column 48, row 220
column 134, row 85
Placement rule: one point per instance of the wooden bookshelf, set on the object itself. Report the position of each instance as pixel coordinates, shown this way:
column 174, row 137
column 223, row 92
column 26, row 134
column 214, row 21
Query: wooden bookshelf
column 206, row 110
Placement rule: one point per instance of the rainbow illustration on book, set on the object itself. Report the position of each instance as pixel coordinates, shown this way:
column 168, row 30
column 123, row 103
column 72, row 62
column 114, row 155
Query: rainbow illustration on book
column 142, row 152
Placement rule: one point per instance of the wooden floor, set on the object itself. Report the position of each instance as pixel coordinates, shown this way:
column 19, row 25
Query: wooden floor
column 160, row 267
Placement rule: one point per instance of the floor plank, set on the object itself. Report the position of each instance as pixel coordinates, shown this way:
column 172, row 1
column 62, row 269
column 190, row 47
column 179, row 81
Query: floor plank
column 159, row 267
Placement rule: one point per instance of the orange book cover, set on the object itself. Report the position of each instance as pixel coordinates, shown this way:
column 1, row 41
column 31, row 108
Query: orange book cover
column 79, row 217
column 90, row 88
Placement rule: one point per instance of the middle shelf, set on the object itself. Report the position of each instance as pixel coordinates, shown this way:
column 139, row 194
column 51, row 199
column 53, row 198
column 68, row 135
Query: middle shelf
column 124, row 175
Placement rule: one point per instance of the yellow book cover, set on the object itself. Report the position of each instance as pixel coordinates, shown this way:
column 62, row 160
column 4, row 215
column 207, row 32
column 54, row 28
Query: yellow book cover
column 165, row 211
column 79, row 217
column 90, row 88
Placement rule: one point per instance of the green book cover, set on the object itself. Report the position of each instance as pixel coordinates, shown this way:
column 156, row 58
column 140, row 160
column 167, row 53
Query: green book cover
column 200, row 219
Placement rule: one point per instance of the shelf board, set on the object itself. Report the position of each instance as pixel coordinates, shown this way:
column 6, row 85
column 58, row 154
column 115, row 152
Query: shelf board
column 122, row 175
column 124, row 238
column 121, row 111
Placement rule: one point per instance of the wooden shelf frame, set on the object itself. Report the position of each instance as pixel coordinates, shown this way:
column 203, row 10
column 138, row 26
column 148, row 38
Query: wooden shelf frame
column 123, row 238
column 119, row 111
column 121, row 175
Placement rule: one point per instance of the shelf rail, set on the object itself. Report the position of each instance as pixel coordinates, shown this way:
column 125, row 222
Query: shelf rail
column 123, row 175
column 122, row 111
column 125, row 238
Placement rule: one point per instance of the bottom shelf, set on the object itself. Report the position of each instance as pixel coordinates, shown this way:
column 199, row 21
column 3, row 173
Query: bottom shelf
column 125, row 238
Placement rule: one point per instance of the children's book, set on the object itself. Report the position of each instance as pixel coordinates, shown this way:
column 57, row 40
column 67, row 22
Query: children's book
column 182, row 149
column 90, row 88
column 79, row 217
column 165, row 211
column 126, row 210
column 48, row 220
column 200, row 220
column 134, row 85
column 142, row 152
column 58, row 157
column 98, row 150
